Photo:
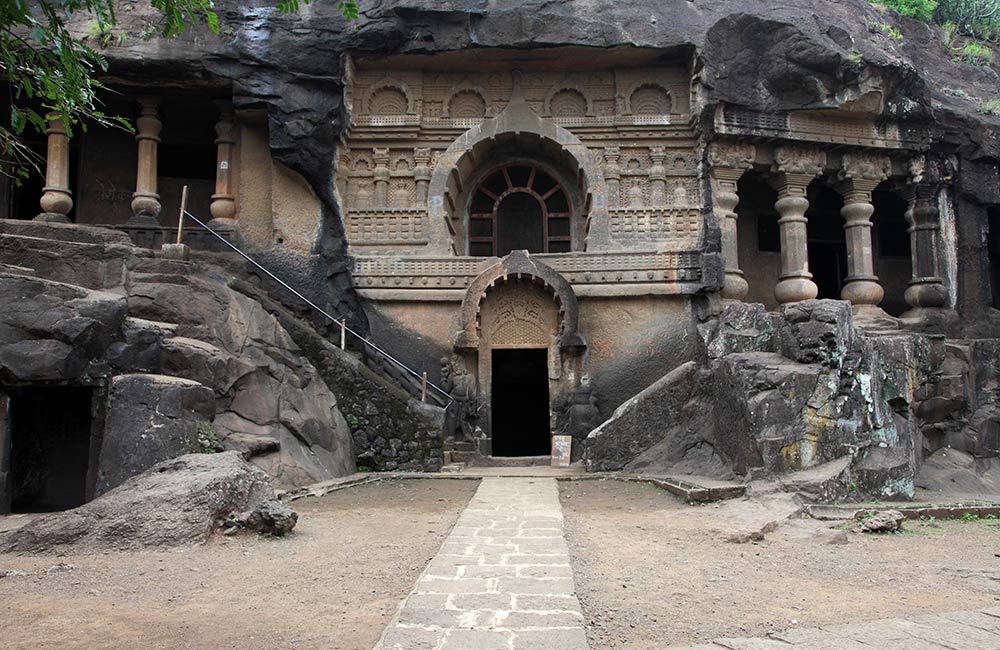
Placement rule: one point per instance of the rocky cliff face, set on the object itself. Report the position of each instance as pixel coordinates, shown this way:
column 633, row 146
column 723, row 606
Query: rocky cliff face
column 790, row 390
column 184, row 362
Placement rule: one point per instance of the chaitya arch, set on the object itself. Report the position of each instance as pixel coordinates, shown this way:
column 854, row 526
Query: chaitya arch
column 516, row 128
column 520, row 265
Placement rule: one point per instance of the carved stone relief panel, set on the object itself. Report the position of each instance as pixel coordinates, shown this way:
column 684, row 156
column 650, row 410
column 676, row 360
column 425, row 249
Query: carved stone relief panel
column 518, row 314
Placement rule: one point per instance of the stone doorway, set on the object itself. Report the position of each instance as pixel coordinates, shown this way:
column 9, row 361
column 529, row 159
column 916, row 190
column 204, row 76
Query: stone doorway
column 520, row 402
column 47, row 445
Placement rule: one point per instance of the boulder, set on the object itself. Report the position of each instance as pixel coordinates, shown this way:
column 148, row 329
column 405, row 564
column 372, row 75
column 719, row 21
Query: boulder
column 50, row 331
column 879, row 521
column 150, row 418
column 178, row 502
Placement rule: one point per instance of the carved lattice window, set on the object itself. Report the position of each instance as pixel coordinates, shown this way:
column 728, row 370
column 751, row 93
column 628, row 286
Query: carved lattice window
column 467, row 104
column 519, row 206
column 388, row 101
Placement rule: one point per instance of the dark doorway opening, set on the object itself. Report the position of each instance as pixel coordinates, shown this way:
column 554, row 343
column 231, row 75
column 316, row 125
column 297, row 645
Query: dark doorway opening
column 50, row 444
column 826, row 241
column 993, row 248
column 891, row 241
column 520, row 224
column 520, row 403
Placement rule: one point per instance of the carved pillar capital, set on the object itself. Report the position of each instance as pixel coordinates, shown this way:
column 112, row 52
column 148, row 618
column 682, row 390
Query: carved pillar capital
column 733, row 155
column 799, row 161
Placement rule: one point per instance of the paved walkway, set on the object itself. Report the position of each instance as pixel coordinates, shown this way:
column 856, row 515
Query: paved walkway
column 501, row 581
column 971, row 630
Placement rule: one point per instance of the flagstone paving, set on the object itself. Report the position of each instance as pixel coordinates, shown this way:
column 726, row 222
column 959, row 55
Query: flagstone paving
column 969, row 630
column 502, row 579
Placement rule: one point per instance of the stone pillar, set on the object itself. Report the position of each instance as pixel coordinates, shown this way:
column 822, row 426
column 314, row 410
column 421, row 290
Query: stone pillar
column 145, row 200
column 657, row 177
column 57, row 200
column 728, row 162
column 422, row 172
column 381, row 177
column 223, row 206
column 926, row 289
column 795, row 168
column 613, row 175
column 861, row 173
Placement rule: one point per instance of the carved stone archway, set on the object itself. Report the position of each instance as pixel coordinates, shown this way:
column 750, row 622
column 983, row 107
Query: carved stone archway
column 520, row 303
column 521, row 265
column 517, row 121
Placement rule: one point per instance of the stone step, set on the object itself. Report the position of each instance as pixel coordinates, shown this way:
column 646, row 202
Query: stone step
column 474, row 459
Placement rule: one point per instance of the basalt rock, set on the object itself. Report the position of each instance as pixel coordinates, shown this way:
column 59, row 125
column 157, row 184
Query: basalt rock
column 782, row 393
column 178, row 502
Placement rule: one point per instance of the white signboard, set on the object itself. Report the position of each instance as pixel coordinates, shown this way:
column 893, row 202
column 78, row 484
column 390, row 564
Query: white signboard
column 561, row 448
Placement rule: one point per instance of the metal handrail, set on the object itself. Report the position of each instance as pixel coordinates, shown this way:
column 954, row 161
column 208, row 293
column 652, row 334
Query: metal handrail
column 340, row 323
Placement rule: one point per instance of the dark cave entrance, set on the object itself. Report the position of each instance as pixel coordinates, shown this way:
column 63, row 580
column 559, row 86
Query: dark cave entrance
column 993, row 248
column 826, row 241
column 520, row 403
column 48, row 442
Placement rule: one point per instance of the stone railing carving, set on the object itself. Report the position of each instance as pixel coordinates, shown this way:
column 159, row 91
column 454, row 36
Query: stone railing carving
column 392, row 226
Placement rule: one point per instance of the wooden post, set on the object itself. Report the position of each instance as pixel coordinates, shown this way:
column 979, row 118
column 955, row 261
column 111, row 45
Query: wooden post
column 343, row 334
column 180, row 219
column 423, row 388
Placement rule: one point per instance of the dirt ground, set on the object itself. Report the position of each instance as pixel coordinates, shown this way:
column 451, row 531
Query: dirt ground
column 333, row 584
column 652, row 571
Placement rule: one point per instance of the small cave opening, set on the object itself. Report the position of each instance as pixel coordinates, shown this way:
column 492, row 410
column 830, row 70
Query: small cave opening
column 520, row 403
column 993, row 247
column 826, row 241
column 48, row 439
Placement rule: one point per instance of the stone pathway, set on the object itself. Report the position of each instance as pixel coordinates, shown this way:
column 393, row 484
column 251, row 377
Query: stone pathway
column 971, row 630
column 501, row 581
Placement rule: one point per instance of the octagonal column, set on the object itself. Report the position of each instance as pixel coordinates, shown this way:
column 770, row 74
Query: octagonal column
column 926, row 289
column 728, row 163
column 145, row 200
column 57, row 199
column 223, row 207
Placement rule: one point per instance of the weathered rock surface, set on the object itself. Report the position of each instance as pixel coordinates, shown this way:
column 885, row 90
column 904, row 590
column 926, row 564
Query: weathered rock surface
column 183, row 356
column 151, row 418
column 952, row 475
column 178, row 502
column 54, row 331
column 782, row 392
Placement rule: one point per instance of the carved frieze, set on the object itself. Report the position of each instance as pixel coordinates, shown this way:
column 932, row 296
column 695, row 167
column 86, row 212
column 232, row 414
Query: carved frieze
column 732, row 155
column 865, row 166
column 795, row 159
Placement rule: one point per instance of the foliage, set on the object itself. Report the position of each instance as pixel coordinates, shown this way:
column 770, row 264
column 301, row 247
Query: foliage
column 990, row 106
column 208, row 440
column 919, row 9
column 974, row 53
column 48, row 70
column 976, row 18
column 886, row 29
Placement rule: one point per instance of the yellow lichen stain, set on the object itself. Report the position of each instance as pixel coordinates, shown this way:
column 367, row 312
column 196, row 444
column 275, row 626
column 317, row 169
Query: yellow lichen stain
column 802, row 453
